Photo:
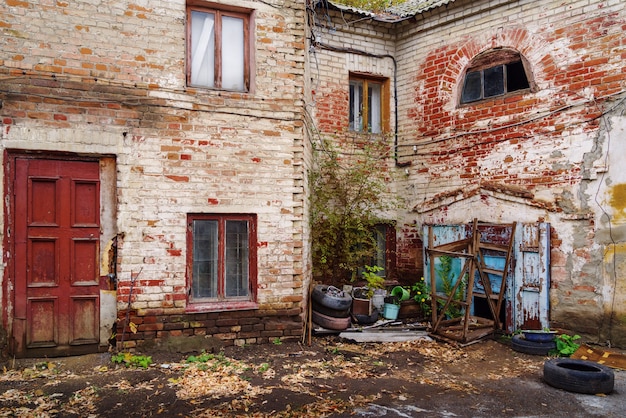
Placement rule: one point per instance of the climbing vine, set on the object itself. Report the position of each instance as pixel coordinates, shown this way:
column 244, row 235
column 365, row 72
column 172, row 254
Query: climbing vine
column 348, row 196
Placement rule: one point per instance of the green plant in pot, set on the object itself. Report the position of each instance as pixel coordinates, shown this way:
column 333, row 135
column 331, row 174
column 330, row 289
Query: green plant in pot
column 348, row 195
column 374, row 281
column 362, row 296
column 565, row 345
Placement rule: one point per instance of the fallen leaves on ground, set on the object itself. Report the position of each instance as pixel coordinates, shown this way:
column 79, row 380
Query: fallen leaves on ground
column 237, row 387
column 215, row 378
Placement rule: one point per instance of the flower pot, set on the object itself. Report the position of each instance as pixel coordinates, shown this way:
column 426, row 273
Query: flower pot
column 391, row 311
column 410, row 309
column 361, row 302
column 361, row 306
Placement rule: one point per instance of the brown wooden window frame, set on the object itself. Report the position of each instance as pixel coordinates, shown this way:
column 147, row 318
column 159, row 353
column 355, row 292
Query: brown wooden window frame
column 220, row 301
column 220, row 11
column 366, row 80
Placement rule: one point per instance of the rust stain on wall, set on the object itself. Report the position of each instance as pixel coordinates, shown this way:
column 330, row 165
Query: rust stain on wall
column 618, row 200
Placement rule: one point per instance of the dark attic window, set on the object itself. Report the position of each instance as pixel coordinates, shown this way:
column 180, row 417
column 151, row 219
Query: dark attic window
column 492, row 74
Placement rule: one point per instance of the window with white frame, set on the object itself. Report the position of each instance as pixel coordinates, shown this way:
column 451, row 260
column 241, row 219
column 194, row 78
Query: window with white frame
column 218, row 48
column 494, row 73
column 367, row 107
column 221, row 258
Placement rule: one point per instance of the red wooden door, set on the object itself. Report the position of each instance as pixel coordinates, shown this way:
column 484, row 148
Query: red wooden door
column 57, row 235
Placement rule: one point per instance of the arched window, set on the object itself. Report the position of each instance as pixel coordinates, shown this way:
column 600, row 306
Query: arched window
column 494, row 73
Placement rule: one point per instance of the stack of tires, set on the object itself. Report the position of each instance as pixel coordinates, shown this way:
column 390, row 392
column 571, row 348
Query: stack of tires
column 331, row 307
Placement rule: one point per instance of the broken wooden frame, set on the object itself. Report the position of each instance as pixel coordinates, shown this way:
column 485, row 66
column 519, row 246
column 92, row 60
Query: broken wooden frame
column 472, row 250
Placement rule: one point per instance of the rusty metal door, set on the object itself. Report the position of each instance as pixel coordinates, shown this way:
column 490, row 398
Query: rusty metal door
column 531, row 281
column 57, row 232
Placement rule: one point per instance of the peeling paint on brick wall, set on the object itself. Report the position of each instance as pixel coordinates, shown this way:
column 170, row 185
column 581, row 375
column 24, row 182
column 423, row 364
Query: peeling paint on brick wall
column 108, row 81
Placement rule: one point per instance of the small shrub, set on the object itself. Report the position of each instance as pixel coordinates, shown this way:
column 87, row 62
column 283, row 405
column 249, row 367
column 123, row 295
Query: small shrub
column 132, row 360
column 565, row 345
column 421, row 295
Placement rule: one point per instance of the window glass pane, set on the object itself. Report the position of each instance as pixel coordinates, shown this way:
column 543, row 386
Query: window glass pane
column 202, row 49
column 494, row 81
column 516, row 77
column 374, row 110
column 236, row 275
column 472, row 89
column 356, row 106
column 232, row 53
column 204, row 281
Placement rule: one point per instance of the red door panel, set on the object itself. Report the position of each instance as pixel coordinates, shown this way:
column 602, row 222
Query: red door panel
column 42, row 316
column 57, row 223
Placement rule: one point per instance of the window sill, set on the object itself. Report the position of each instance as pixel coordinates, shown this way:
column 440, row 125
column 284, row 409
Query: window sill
column 221, row 306
column 495, row 98
column 207, row 90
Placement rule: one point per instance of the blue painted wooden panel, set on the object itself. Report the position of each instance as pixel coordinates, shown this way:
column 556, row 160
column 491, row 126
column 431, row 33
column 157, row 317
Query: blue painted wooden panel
column 443, row 234
column 496, row 263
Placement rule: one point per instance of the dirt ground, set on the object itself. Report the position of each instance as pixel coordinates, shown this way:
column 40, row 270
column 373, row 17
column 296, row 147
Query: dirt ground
column 331, row 378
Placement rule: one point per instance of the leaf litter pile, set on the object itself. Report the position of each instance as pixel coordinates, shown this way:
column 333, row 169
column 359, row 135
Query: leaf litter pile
column 330, row 378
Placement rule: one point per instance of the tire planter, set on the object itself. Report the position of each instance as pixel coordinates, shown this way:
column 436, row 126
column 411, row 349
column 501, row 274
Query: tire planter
column 331, row 297
column 330, row 312
column 580, row 376
column 328, row 322
column 537, row 348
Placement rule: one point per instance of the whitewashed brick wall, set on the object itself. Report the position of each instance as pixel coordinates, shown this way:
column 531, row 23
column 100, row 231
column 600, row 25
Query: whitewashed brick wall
column 113, row 78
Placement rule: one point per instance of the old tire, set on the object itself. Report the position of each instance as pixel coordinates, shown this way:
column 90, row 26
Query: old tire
column 328, row 322
column 537, row 348
column 580, row 376
column 367, row 319
column 330, row 312
column 331, row 297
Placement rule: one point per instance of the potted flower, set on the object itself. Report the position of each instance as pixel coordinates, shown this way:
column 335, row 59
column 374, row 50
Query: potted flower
column 421, row 295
